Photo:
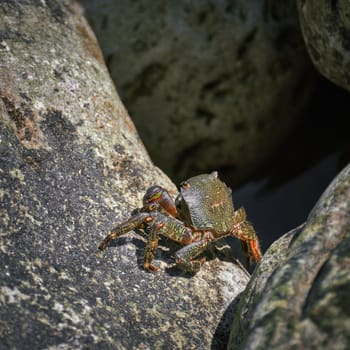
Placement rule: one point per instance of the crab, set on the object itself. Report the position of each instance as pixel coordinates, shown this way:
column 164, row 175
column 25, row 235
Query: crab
column 202, row 212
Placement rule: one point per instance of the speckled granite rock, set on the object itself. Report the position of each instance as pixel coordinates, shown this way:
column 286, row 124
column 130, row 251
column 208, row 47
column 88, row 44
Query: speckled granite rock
column 71, row 166
column 326, row 30
column 298, row 298
column 209, row 84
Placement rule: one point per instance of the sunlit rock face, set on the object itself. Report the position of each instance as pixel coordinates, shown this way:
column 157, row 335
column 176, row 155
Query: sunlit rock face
column 209, row 84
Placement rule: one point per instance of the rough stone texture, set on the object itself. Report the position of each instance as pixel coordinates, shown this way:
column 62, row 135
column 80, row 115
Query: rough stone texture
column 326, row 30
column 298, row 298
column 208, row 83
column 71, row 166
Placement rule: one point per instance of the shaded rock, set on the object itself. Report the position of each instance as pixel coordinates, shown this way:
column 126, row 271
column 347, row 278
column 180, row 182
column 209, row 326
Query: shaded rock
column 298, row 298
column 72, row 166
column 326, row 30
column 207, row 83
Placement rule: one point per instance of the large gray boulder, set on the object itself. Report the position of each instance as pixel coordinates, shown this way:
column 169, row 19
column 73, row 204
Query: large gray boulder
column 325, row 26
column 72, row 166
column 298, row 297
column 209, row 84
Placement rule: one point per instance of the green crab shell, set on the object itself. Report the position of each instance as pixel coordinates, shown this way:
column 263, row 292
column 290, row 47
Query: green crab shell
column 205, row 202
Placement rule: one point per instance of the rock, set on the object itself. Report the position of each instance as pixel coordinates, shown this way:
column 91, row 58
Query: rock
column 71, row 167
column 207, row 83
column 298, row 296
column 325, row 27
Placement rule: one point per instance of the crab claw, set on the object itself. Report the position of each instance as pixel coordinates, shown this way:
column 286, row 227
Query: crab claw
column 157, row 194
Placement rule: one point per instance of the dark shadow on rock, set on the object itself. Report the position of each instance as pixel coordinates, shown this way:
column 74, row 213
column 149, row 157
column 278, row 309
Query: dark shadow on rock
column 222, row 332
column 216, row 250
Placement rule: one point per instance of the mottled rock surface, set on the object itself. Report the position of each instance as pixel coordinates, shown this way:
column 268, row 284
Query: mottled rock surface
column 298, row 298
column 71, row 166
column 326, row 29
column 210, row 84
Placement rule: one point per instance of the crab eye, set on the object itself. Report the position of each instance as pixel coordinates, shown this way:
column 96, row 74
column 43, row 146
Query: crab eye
column 185, row 185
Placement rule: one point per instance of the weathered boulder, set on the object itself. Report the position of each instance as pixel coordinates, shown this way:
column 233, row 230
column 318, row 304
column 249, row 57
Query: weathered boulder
column 209, row 84
column 71, row 166
column 298, row 298
column 326, row 29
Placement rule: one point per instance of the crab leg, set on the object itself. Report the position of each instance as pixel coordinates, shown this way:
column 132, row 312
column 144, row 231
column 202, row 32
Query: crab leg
column 184, row 257
column 254, row 249
column 151, row 247
column 133, row 223
column 167, row 226
column 244, row 231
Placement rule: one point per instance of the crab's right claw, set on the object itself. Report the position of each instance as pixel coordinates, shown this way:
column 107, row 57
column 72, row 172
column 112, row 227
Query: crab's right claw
column 157, row 194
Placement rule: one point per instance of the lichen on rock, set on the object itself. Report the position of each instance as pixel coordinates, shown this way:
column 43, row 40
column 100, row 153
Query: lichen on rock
column 295, row 299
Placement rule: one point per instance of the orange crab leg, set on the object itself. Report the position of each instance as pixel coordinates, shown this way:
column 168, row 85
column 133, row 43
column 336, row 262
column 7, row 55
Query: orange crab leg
column 244, row 231
column 254, row 249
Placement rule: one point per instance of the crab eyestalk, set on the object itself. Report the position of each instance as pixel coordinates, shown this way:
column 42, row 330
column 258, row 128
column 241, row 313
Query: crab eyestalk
column 157, row 194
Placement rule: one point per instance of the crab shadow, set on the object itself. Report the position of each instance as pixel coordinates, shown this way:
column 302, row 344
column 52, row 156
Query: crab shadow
column 220, row 250
column 223, row 249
